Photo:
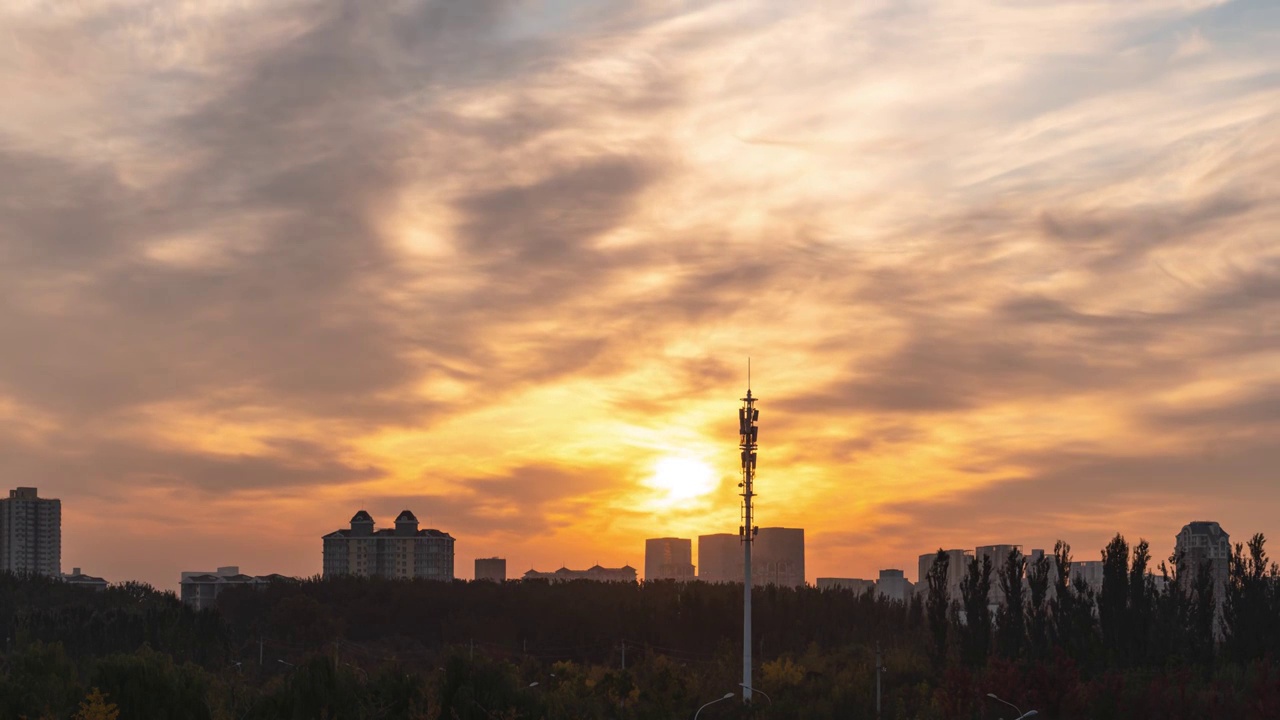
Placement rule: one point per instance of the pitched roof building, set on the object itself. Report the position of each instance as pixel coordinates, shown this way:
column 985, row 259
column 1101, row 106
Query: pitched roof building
column 626, row 573
column 405, row 552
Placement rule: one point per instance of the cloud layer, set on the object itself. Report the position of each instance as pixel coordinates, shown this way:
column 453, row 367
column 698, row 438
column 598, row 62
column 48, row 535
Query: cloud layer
column 1006, row 274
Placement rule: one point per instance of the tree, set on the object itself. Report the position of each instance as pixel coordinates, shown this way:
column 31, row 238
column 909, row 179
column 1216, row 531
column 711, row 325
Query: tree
column 975, row 597
column 1038, row 580
column 936, row 606
column 1249, row 622
column 96, row 707
column 1141, row 606
column 1011, row 625
column 1113, row 599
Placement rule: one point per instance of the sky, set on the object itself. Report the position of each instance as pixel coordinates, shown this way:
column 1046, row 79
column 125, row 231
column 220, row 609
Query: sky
column 1007, row 272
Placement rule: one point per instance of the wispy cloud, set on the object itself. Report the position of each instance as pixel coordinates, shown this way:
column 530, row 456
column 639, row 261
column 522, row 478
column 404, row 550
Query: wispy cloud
column 1006, row 272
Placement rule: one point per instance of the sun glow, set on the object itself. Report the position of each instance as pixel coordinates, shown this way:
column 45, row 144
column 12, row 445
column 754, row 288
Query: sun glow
column 681, row 478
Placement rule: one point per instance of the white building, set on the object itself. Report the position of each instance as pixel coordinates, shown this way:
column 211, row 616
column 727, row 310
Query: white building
column 30, row 534
column 957, row 565
column 893, row 585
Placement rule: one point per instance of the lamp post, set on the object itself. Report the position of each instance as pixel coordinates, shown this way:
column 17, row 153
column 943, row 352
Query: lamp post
column 758, row 690
column 1021, row 715
column 713, row 702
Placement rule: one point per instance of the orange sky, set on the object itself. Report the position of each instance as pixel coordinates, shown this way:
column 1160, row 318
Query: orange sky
column 1006, row 273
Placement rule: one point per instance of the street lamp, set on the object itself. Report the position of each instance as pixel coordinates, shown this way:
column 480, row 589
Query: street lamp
column 727, row 696
column 284, row 663
column 1021, row 715
column 757, row 690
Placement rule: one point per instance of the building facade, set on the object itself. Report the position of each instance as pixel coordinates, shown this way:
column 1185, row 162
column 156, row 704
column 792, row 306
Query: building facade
column 668, row 559
column 493, row 569
column 30, row 533
column 893, row 585
column 1203, row 542
column 957, row 565
column 857, row 585
column 595, row 573
column 406, row 552
column 777, row 558
column 719, row 558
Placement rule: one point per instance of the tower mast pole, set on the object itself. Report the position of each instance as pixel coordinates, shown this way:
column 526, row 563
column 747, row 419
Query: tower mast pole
column 748, row 431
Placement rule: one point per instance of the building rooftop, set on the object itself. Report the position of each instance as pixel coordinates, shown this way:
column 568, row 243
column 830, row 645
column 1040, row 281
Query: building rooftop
column 390, row 533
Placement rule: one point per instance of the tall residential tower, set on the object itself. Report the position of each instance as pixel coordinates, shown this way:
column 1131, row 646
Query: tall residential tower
column 30, row 533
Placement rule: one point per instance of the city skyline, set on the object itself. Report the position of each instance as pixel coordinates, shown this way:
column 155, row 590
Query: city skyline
column 1004, row 274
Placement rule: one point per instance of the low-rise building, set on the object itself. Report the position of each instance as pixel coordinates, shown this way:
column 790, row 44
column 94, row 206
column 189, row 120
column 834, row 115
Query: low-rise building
column 857, row 585
column 81, row 580
column 493, row 569
column 626, row 573
column 200, row 589
column 893, row 585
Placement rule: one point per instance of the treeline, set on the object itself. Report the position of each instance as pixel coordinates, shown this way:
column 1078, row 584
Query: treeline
column 1163, row 641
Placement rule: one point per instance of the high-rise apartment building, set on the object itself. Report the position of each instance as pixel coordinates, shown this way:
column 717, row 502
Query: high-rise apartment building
column 668, row 559
column 719, row 558
column 957, row 565
column 776, row 559
column 1204, row 541
column 999, row 555
column 405, row 552
column 30, row 533
column 493, row 569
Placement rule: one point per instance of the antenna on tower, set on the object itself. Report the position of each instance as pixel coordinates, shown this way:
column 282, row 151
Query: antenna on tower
column 749, row 434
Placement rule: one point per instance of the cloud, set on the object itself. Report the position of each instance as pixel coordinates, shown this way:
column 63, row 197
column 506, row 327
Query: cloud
column 268, row 257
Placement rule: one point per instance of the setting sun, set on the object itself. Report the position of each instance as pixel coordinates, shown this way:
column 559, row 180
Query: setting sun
column 682, row 478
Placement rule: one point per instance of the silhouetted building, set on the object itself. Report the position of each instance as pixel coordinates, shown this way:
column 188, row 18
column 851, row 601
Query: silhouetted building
column 81, row 580
column 999, row 555
column 857, row 585
column 1203, row 541
column 957, row 566
column 30, row 533
column 893, row 585
column 200, row 589
column 668, row 559
column 626, row 573
column 405, row 552
column 494, row 569
column 720, row 558
column 776, row 559
column 1087, row 571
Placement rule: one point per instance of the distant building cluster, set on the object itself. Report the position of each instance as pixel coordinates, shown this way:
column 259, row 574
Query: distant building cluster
column 777, row 558
column 668, row 559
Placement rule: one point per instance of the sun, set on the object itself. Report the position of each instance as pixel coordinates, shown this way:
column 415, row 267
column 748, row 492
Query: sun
column 682, row 478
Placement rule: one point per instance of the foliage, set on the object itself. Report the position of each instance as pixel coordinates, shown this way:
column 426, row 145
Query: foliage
column 1172, row 646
